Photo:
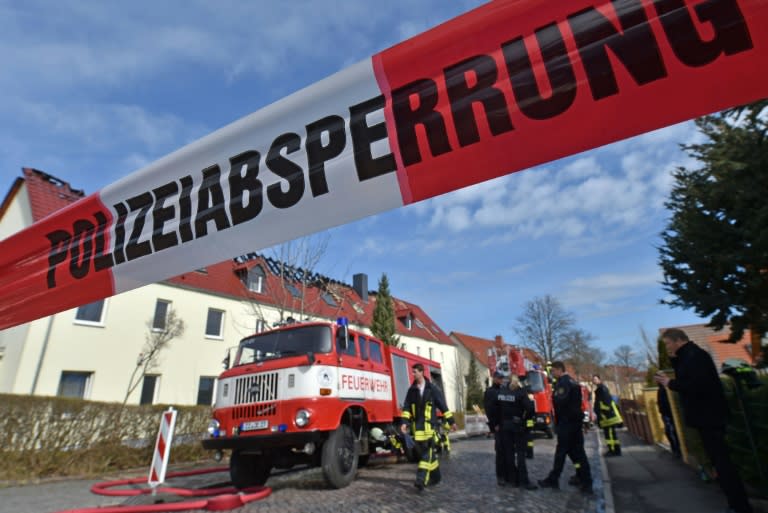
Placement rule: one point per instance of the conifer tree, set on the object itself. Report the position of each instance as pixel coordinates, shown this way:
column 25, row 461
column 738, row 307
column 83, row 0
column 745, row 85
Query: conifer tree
column 715, row 249
column 474, row 389
column 383, row 325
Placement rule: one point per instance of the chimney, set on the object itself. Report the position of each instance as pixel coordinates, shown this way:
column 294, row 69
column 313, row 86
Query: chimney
column 360, row 284
column 499, row 341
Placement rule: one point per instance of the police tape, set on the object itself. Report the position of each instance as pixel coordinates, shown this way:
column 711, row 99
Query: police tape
column 501, row 88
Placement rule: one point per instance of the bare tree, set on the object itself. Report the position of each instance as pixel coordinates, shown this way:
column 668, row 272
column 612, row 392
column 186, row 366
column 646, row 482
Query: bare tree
column 626, row 361
column 294, row 264
column 544, row 326
column 585, row 358
column 155, row 340
column 458, row 379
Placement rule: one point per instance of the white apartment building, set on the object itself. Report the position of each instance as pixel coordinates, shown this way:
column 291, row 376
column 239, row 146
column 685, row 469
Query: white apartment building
column 92, row 351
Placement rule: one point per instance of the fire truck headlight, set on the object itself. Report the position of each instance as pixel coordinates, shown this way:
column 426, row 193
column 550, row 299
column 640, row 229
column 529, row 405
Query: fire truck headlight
column 213, row 428
column 302, row 417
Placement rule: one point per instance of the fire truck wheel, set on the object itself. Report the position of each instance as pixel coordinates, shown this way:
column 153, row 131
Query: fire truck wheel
column 248, row 469
column 339, row 460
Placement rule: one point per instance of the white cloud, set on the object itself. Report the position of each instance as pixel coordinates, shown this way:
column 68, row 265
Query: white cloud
column 602, row 290
column 613, row 192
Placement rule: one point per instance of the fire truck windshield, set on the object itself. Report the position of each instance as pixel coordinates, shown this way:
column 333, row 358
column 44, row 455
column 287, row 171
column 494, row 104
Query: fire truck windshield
column 280, row 343
column 535, row 381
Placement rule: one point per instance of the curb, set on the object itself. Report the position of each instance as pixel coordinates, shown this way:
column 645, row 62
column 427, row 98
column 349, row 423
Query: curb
column 607, row 489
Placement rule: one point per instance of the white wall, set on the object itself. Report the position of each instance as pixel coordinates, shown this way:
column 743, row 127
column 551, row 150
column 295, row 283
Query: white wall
column 18, row 215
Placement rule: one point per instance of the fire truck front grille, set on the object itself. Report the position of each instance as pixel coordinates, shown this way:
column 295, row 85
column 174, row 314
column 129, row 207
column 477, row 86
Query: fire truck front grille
column 253, row 411
column 257, row 388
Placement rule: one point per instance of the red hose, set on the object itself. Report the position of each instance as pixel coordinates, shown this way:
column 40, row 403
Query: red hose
column 226, row 498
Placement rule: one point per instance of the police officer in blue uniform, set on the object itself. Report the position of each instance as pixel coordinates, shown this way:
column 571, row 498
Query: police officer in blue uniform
column 568, row 426
column 512, row 409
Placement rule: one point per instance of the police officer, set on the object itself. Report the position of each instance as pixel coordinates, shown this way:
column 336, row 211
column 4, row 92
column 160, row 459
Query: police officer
column 570, row 437
column 608, row 416
column 513, row 408
column 489, row 403
column 420, row 412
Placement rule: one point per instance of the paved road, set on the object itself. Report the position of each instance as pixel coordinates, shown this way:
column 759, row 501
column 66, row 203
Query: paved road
column 468, row 485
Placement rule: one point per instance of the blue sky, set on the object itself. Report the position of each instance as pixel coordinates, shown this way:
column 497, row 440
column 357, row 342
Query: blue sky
column 94, row 90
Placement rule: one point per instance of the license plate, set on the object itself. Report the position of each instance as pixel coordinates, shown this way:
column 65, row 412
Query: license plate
column 253, row 426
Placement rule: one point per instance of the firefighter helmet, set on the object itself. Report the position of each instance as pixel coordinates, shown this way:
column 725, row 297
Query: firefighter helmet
column 377, row 434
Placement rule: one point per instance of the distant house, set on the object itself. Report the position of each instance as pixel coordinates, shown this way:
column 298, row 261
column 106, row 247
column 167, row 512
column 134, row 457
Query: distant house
column 622, row 381
column 715, row 342
column 91, row 351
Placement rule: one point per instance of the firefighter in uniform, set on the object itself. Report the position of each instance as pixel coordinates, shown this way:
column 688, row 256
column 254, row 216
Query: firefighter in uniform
column 570, row 437
column 513, row 407
column 489, row 404
column 420, row 412
column 608, row 416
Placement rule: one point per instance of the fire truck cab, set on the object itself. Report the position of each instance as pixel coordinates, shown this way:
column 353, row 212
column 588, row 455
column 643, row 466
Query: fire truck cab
column 309, row 393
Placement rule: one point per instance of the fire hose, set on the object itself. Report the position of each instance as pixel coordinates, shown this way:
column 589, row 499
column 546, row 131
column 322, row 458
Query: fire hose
column 218, row 499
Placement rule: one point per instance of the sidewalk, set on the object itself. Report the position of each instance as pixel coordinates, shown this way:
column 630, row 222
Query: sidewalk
column 649, row 479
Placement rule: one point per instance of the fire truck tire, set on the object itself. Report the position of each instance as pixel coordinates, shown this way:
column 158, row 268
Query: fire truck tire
column 246, row 470
column 340, row 457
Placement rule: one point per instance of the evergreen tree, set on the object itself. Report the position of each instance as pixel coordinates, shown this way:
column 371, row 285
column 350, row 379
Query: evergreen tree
column 474, row 389
column 383, row 325
column 665, row 363
column 715, row 248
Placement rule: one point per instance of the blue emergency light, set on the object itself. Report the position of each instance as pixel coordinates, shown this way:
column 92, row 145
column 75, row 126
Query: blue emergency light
column 342, row 321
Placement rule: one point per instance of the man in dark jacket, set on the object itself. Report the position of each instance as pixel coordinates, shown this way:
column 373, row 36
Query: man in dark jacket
column 704, row 408
column 608, row 416
column 570, row 437
column 489, row 404
column 422, row 401
column 508, row 417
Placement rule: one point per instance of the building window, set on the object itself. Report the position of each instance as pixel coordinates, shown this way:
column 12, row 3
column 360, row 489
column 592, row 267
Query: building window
column 149, row 389
column 407, row 321
column 418, row 350
column 160, row 321
column 75, row 384
column 92, row 313
column 205, row 390
column 260, row 325
column 293, row 290
column 431, row 354
column 442, row 356
column 328, row 298
column 255, row 279
column 214, row 323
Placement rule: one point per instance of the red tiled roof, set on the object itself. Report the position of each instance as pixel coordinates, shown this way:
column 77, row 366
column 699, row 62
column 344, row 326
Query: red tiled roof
column 47, row 194
column 715, row 343
column 225, row 278
column 477, row 346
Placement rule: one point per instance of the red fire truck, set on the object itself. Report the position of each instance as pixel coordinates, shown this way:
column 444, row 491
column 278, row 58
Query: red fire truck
column 511, row 360
column 313, row 393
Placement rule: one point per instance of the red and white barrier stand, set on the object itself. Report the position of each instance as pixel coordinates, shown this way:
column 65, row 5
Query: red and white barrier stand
column 162, row 450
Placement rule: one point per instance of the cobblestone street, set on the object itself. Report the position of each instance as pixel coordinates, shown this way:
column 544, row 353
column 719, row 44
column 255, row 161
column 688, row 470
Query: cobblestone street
column 468, row 485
